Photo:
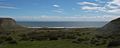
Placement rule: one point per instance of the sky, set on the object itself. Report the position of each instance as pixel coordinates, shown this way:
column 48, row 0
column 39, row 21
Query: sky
column 60, row 10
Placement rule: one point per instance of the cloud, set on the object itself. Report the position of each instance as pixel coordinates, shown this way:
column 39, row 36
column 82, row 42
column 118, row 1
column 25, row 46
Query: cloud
column 2, row 0
column 112, row 6
column 117, row 2
column 56, row 5
column 112, row 11
column 63, row 18
column 101, row 1
column 59, row 11
column 89, row 8
column 87, row 3
column 7, row 6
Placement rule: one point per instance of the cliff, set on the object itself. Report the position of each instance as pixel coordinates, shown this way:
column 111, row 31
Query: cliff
column 7, row 24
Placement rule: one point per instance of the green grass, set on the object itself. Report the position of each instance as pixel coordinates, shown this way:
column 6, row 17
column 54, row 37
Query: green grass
column 48, row 44
column 65, row 39
column 86, row 34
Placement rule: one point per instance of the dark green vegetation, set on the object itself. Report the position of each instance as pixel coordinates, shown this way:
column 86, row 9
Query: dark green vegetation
column 15, row 36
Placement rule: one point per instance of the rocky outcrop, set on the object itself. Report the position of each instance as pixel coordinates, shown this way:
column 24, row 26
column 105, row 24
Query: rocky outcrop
column 9, row 24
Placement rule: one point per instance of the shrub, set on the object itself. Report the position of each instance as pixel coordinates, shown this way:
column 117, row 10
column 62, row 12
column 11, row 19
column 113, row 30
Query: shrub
column 12, row 42
column 94, row 41
column 114, row 43
column 3, row 37
column 98, row 36
column 1, row 41
column 9, row 39
column 98, row 41
column 24, row 37
column 77, row 42
column 37, row 36
column 53, row 38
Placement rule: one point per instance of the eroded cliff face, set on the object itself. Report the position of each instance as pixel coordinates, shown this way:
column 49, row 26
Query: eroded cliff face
column 7, row 22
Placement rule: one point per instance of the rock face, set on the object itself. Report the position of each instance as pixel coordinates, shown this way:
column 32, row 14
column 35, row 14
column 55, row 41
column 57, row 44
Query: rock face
column 8, row 24
column 113, row 27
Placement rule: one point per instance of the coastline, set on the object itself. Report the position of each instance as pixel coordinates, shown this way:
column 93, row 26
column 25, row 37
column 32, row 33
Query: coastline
column 62, row 27
column 62, row 24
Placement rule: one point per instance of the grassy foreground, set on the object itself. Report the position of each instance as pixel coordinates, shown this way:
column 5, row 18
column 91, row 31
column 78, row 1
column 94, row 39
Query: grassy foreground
column 52, row 38
column 48, row 44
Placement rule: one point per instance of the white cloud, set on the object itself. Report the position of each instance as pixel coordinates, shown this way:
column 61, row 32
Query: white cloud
column 117, row 2
column 112, row 6
column 2, row 0
column 56, row 5
column 89, row 8
column 116, row 8
column 114, row 11
column 7, row 6
column 101, row 1
column 87, row 3
column 58, row 11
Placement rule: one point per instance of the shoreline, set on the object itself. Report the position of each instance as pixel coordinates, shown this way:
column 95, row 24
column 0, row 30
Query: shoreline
column 62, row 27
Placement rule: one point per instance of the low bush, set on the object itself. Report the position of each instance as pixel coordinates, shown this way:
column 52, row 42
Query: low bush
column 12, row 42
column 114, row 43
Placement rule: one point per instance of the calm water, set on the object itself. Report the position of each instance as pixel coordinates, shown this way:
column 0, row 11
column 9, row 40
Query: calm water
column 62, row 24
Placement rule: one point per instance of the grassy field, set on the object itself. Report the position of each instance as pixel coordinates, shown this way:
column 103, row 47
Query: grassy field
column 48, row 44
column 51, row 38
column 54, row 38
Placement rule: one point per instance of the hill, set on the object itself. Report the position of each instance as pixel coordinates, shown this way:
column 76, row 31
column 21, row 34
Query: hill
column 111, row 31
column 113, row 27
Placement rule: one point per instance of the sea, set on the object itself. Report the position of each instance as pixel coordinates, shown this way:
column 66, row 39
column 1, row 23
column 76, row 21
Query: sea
column 61, row 24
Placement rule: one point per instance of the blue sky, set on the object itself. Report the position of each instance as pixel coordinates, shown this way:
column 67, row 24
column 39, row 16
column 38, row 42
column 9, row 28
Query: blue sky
column 60, row 10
